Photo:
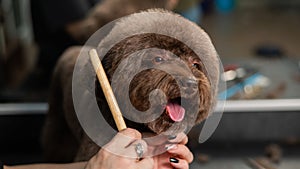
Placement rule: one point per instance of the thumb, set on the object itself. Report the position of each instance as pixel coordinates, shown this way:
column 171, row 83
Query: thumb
column 131, row 133
column 124, row 138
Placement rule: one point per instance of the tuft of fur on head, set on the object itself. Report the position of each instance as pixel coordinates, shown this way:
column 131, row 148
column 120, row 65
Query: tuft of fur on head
column 154, row 28
column 163, row 22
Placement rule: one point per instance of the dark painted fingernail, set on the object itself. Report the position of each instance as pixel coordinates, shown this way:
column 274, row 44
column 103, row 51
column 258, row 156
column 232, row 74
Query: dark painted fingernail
column 174, row 160
column 172, row 137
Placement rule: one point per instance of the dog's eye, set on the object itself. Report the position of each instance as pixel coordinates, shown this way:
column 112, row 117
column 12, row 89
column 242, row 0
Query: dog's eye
column 196, row 65
column 158, row 59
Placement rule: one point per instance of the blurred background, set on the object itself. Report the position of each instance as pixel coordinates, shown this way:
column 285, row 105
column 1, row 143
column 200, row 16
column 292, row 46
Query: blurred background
column 258, row 42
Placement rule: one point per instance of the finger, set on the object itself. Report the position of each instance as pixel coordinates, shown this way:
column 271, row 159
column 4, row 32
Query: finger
column 131, row 133
column 179, row 163
column 136, row 149
column 146, row 163
column 181, row 138
column 124, row 138
column 155, row 140
column 182, row 152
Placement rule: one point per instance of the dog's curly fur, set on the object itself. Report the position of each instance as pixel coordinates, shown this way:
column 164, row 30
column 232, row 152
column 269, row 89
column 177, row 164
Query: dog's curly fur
column 148, row 80
column 65, row 140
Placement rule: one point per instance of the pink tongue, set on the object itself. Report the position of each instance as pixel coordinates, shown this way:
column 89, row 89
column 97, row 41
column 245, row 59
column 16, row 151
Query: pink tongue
column 175, row 111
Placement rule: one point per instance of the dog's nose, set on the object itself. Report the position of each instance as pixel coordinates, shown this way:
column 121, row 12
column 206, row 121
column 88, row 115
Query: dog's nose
column 189, row 83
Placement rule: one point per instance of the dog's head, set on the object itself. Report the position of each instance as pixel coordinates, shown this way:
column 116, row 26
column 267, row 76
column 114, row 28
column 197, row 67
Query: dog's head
column 160, row 82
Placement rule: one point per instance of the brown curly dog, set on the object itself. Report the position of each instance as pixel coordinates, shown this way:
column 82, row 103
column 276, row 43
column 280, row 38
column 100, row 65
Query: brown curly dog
column 186, row 94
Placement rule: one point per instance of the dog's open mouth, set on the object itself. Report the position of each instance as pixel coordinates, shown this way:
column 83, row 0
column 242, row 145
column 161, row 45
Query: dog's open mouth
column 174, row 109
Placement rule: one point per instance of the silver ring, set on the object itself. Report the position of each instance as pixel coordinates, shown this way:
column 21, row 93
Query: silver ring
column 139, row 149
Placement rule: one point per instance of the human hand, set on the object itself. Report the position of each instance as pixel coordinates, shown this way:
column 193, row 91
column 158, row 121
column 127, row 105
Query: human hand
column 177, row 156
column 120, row 153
